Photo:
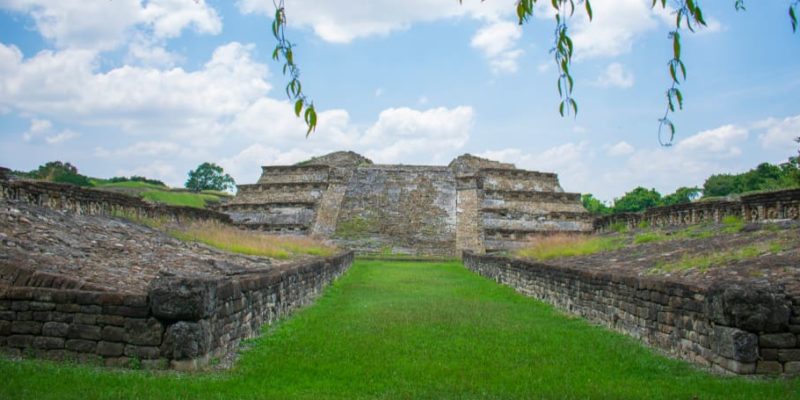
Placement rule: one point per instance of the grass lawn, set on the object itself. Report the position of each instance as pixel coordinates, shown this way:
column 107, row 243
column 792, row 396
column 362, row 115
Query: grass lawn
column 413, row 330
column 197, row 200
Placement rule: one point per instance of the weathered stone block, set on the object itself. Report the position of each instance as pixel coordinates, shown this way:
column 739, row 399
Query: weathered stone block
column 7, row 315
column 5, row 328
column 78, row 331
column 20, row 341
column 48, row 343
column 85, row 319
column 110, row 349
column 117, row 362
column 113, row 334
column 26, row 327
column 186, row 340
column 792, row 368
column 777, row 340
column 735, row 344
column 143, row 332
column 115, row 320
column 80, row 345
column 789, row 355
column 57, row 329
column 61, row 355
column 20, row 306
column 142, row 352
column 749, row 307
column 40, row 306
column 182, row 299
column 125, row 311
column 769, row 368
column 768, row 354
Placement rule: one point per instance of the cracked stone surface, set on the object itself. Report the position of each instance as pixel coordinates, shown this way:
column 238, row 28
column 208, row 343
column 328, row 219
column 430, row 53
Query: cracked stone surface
column 108, row 253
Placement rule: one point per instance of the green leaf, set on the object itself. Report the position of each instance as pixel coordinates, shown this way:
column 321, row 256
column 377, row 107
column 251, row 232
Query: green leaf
column 298, row 107
column 276, row 55
column 676, row 45
column 679, row 96
column 312, row 120
column 793, row 17
column 574, row 107
column 589, row 9
column 672, row 72
column 289, row 56
column 561, row 108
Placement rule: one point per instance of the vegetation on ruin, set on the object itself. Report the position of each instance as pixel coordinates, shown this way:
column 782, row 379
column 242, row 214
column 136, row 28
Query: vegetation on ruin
column 413, row 330
column 719, row 259
column 567, row 245
column 252, row 243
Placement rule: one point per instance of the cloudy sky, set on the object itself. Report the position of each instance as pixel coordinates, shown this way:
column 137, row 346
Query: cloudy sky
column 122, row 87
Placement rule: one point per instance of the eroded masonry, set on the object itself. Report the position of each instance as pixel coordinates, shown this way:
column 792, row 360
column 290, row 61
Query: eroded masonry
column 472, row 204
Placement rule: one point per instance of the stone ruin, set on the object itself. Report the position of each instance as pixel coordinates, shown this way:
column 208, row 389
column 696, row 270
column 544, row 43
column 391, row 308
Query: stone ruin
column 472, row 204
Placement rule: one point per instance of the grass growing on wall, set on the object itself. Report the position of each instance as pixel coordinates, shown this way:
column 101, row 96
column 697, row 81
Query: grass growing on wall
column 402, row 330
column 252, row 243
column 196, row 200
column 565, row 245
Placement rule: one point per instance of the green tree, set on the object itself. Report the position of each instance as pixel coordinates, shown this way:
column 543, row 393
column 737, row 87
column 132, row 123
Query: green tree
column 209, row 176
column 594, row 205
column 637, row 200
column 61, row 172
column 681, row 196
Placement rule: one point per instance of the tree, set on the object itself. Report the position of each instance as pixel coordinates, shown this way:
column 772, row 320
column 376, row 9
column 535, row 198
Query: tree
column 688, row 15
column 61, row 172
column 681, row 196
column 209, row 176
column 594, row 205
column 637, row 200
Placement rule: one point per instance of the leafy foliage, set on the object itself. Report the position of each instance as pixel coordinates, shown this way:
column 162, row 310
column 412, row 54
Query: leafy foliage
column 765, row 176
column 294, row 89
column 594, row 205
column 637, row 200
column 209, row 176
column 136, row 178
column 61, row 172
column 682, row 196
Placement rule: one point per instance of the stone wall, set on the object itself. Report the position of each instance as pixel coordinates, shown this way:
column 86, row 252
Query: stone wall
column 740, row 328
column 471, row 204
column 182, row 323
column 80, row 200
column 782, row 204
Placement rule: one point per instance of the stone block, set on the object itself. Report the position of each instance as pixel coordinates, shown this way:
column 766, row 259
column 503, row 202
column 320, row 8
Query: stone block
column 789, row 355
column 20, row 341
column 24, row 316
column 68, row 308
column 115, row 320
column 110, row 349
column 748, row 307
column 85, row 319
column 20, row 306
column 792, row 368
column 89, row 332
column 182, row 298
column 777, row 340
column 142, row 352
column 26, row 327
column 735, row 344
column 57, row 329
column 143, row 332
column 113, row 334
column 125, row 311
column 91, row 309
column 61, row 355
column 117, row 362
column 769, row 368
column 768, row 354
column 7, row 315
column 48, row 343
column 5, row 328
column 80, row 345
column 186, row 340
column 41, row 306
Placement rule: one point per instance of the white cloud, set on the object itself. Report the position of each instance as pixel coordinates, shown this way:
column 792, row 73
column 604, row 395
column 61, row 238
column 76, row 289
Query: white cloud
column 615, row 75
column 614, row 27
column 43, row 129
column 718, row 142
column 341, row 21
column 779, row 134
column 105, row 25
column 620, row 149
column 498, row 42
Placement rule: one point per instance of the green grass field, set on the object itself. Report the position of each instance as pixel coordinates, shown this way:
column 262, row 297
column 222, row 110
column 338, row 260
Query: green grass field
column 413, row 330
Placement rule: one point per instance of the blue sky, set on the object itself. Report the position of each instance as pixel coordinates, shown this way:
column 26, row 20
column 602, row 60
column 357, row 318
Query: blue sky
column 156, row 87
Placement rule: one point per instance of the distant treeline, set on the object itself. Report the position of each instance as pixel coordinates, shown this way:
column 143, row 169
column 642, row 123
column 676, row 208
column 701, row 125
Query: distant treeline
column 64, row 172
column 764, row 177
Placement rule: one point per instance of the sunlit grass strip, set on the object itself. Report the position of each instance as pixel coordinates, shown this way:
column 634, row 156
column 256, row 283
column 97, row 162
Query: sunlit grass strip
column 196, row 200
column 704, row 262
column 562, row 245
column 236, row 240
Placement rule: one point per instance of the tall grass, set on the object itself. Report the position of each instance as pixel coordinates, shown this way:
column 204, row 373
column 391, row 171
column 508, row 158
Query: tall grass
column 704, row 262
column 564, row 245
column 236, row 240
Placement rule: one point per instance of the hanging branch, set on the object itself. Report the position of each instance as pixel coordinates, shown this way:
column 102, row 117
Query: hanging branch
column 294, row 89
